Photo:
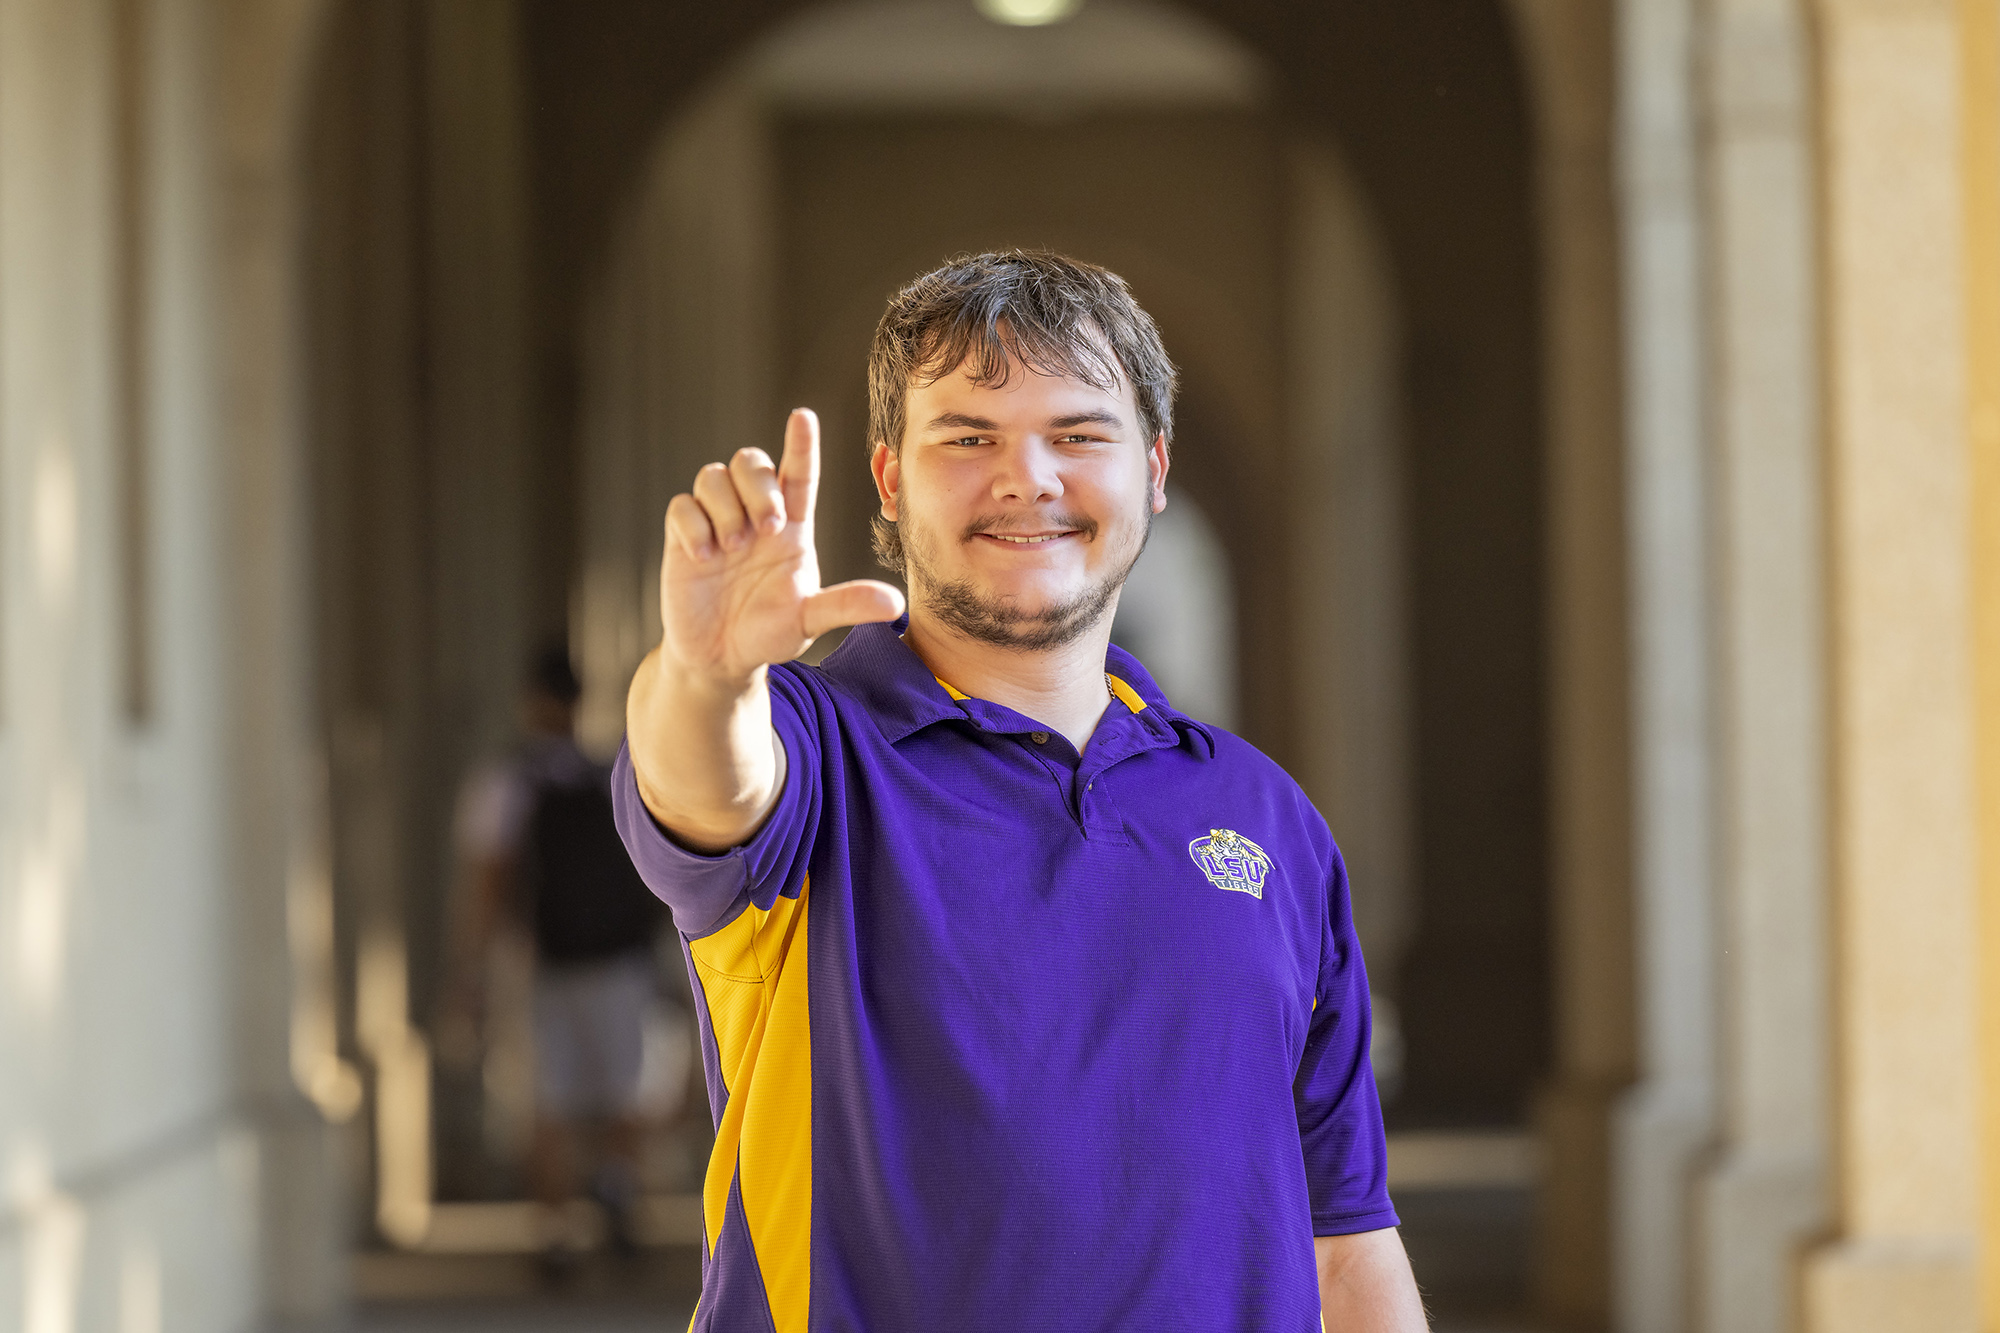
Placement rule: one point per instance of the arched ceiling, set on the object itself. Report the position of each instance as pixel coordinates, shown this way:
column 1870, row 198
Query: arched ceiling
column 1425, row 98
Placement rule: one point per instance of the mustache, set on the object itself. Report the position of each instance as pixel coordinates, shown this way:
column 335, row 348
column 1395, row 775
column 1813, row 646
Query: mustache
column 1077, row 523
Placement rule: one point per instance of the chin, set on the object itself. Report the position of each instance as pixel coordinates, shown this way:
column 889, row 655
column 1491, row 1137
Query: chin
column 1031, row 598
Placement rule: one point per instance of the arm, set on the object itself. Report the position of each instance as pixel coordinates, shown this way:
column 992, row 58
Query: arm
column 739, row 590
column 708, row 764
column 483, row 833
column 461, row 1016
column 1365, row 1284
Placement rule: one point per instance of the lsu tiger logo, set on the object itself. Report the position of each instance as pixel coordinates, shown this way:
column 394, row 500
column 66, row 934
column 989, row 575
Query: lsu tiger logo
column 1231, row 861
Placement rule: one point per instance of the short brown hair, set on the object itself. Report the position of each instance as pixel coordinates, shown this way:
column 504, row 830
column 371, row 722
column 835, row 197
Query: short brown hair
column 1053, row 314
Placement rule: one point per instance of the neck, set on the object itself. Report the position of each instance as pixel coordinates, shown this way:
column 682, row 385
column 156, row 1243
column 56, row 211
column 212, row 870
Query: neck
column 1062, row 688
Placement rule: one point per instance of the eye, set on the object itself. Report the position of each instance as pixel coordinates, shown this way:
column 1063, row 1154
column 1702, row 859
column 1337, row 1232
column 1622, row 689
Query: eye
column 968, row 440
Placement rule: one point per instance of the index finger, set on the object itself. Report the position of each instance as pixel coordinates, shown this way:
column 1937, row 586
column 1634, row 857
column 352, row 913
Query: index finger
column 798, row 470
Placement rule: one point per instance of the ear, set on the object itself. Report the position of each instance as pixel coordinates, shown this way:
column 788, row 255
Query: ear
column 888, row 470
column 1157, row 462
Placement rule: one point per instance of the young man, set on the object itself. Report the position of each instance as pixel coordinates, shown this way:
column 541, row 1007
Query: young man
column 1030, row 1003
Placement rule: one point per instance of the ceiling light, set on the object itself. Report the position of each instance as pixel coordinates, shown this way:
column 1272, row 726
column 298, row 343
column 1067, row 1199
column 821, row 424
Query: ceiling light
column 1028, row 13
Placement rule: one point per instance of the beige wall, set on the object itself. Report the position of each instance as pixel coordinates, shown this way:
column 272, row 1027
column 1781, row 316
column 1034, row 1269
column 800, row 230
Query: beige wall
column 1980, row 65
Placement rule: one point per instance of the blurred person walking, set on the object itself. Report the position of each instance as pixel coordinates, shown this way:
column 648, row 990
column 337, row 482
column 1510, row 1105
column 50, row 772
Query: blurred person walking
column 542, row 849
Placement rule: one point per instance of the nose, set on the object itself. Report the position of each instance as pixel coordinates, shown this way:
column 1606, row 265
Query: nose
column 1027, row 471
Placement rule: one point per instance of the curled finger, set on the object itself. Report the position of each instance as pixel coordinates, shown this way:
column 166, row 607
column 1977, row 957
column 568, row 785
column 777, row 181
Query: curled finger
column 715, row 491
column 757, row 488
column 688, row 527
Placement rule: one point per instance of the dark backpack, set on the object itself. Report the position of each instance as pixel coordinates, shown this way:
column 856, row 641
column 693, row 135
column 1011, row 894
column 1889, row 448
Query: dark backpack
column 584, row 898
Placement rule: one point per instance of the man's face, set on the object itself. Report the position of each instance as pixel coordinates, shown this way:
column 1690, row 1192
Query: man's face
column 1023, row 506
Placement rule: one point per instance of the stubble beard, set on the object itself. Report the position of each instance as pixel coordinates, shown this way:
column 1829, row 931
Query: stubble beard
column 960, row 606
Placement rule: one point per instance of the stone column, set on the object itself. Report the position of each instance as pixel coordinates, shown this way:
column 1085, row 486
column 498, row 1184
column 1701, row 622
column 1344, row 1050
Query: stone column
column 1905, row 922
column 475, row 366
column 1667, row 1121
column 1764, row 1190
column 1349, row 542
column 260, row 64
column 147, row 432
column 1567, row 45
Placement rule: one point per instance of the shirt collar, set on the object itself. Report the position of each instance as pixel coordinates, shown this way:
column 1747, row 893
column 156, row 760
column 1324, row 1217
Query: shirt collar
column 904, row 697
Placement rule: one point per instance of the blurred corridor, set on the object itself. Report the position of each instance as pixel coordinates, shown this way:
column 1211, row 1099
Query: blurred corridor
column 1588, row 487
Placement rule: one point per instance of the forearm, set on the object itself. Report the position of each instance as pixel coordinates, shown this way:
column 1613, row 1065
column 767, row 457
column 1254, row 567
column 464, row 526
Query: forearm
column 1365, row 1284
column 708, row 765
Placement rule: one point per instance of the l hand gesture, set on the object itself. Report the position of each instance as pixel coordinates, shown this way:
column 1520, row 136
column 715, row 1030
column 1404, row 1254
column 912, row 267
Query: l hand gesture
column 739, row 581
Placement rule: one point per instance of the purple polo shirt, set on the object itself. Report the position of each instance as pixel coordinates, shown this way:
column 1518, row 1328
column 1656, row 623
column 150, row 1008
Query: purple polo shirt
column 998, row 1036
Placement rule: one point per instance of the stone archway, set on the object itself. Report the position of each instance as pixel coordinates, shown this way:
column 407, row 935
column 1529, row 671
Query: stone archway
column 456, row 283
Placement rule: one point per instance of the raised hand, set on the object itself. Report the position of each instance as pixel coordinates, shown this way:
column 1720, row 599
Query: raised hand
column 739, row 580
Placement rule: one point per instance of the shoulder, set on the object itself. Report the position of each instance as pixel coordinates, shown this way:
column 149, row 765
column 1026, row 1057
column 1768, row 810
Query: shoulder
column 810, row 692
column 1240, row 766
column 872, row 684
column 1237, row 760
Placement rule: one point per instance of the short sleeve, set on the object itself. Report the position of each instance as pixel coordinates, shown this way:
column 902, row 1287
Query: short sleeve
column 1340, row 1115
column 705, row 893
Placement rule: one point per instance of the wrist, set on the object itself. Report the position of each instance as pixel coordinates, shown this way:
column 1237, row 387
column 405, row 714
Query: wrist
column 703, row 685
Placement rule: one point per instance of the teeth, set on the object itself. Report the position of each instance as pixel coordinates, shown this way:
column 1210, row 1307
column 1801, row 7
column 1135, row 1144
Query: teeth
column 1025, row 541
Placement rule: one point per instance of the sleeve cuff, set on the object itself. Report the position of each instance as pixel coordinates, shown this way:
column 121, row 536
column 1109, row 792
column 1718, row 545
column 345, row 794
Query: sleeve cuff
column 699, row 890
column 1353, row 1224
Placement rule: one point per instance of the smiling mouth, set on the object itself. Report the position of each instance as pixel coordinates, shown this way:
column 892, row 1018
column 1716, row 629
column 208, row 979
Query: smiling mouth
column 1026, row 541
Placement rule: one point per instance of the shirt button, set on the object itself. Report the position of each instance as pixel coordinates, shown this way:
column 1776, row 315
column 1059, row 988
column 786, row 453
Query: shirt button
column 1039, row 737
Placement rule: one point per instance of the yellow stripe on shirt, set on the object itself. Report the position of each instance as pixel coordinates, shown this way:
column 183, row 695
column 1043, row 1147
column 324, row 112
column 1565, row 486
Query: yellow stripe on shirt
column 753, row 977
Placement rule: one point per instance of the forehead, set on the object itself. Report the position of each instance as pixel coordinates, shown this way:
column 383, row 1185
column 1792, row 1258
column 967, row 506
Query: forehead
column 1023, row 392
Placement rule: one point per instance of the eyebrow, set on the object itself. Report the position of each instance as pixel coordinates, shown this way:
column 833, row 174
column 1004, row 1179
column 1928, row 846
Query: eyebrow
column 961, row 420
column 1111, row 419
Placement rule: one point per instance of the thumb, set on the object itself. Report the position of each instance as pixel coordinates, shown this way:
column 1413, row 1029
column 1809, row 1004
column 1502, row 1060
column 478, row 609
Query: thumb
column 861, row 602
